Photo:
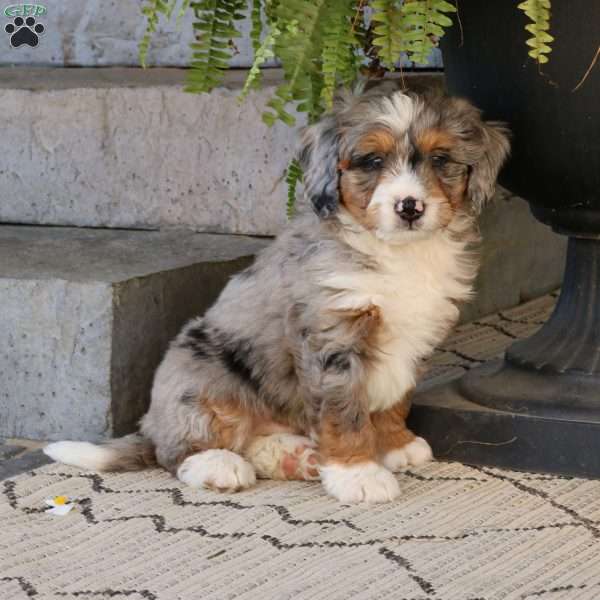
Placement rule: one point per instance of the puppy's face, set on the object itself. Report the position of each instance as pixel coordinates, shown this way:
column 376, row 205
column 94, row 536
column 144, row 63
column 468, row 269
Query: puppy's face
column 401, row 166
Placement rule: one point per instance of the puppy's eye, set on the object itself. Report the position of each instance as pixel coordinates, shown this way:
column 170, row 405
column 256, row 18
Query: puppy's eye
column 369, row 162
column 439, row 160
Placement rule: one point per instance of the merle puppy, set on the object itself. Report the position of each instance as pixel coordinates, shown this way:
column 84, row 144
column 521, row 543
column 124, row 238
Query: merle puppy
column 304, row 366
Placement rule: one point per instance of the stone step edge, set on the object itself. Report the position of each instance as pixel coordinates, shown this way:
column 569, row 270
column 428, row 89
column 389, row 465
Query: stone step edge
column 64, row 78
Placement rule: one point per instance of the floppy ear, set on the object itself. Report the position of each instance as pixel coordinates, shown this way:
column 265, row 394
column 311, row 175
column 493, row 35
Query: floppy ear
column 493, row 138
column 318, row 158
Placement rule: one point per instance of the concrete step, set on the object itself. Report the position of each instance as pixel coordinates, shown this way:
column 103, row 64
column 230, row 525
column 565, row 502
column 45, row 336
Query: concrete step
column 121, row 147
column 129, row 148
column 87, row 315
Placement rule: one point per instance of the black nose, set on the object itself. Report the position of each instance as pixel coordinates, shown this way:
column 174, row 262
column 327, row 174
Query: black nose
column 410, row 209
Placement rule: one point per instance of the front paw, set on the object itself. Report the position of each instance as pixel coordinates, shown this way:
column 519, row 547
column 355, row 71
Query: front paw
column 413, row 454
column 365, row 482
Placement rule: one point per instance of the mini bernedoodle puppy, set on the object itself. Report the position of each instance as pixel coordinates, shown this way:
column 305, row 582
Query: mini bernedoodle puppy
column 304, row 366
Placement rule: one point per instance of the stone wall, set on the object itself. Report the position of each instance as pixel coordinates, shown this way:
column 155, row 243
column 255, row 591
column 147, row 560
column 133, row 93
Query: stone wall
column 129, row 148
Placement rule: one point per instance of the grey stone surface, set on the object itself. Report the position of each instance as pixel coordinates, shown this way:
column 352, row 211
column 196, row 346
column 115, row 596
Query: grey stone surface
column 103, row 33
column 78, row 151
column 57, row 78
column 87, row 315
column 111, row 256
column 22, row 464
column 8, row 451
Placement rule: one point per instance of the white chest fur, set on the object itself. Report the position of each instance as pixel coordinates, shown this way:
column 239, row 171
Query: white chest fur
column 415, row 286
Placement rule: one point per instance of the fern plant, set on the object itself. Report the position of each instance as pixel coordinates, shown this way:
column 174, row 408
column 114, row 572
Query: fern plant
column 538, row 12
column 214, row 25
column 388, row 30
column 293, row 175
column 320, row 44
column 424, row 22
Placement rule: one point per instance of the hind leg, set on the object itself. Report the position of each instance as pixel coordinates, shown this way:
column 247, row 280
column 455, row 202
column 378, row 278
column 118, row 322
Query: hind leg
column 220, row 470
column 284, row 456
column 215, row 459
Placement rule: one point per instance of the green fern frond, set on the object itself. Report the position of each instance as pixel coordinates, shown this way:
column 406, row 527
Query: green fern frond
column 282, row 97
column 299, row 48
column 313, row 103
column 424, row 22
column 184, row 8
column 538, row 12
column 338, row 58
column 270, row 10
column 387, row 29
column 257, row 26
column 261, row 55
column 152, row 10
column 292, row 176
column 412, row 26
column 214, row 26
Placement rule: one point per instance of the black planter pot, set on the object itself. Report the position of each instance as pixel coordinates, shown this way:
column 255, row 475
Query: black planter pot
column 545, row 395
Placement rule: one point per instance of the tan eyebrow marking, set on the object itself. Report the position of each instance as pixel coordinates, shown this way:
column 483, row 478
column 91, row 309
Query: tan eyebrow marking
column 378, row 141
column 433, row 138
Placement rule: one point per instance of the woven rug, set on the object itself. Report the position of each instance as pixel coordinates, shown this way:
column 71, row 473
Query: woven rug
column 457, row 532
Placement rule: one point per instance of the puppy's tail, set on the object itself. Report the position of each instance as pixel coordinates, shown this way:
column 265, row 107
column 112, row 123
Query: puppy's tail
column 130, row 453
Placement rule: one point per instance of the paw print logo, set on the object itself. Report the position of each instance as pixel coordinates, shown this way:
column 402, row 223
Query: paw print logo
column 24, row 31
